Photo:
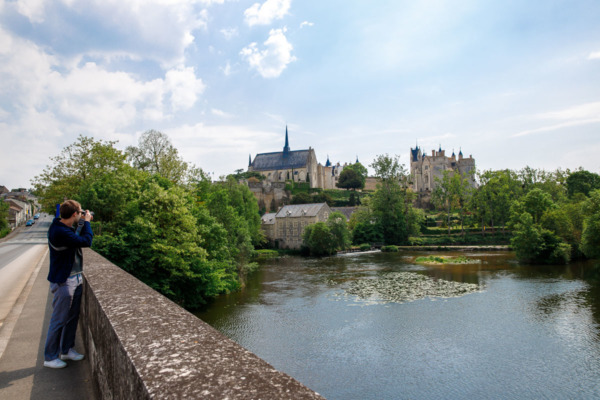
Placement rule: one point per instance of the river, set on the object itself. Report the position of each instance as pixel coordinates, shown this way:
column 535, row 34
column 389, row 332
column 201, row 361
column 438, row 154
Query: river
column 519, row 332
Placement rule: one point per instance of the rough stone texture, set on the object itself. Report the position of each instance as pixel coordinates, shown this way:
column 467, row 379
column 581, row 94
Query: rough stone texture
column 143, row 345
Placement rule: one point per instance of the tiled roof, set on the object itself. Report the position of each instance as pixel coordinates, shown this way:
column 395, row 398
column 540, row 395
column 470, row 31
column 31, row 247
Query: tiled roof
column 300, row 210
column 268, row 219
column 415, row 153
column 347, row 211
column 280, row 160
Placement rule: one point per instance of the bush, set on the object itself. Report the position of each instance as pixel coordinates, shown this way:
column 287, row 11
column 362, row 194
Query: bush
column 389, row 249
column 364, row 247
column 265, row 254
column 319, row 239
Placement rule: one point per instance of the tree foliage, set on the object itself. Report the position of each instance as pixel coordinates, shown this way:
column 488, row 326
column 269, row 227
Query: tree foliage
column 339, row 230
column 4, row 227
column 389, row 202
column 582, row 181
column 156, row 155
column 349, row 179
column 319, row 240
column 159, row 219
column 590, row 240
column 77, row 164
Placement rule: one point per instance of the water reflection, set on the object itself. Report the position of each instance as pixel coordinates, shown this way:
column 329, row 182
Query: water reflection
column 532, row 333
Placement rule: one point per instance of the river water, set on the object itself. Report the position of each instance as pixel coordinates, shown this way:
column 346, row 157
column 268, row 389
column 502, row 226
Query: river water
column 519, row 332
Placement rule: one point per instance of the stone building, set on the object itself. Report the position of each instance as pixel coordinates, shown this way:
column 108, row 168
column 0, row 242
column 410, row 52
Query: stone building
column 285, row 228
column 267, row 224
column 425, row 168
column 297, row 166
column 269, row 195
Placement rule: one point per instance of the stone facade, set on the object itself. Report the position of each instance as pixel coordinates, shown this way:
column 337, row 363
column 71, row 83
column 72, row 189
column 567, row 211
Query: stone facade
column 269, row 195
column 285, row 228
column 425, row 168
column 297, row 165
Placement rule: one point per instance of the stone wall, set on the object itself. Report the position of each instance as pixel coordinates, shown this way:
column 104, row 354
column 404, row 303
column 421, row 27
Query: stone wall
column 142, row 345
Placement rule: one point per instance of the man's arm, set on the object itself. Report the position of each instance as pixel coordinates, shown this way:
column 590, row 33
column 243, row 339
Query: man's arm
column 71, row 239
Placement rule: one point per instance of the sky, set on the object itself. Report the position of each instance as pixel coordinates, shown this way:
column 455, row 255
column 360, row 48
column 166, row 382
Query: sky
column 513, row 83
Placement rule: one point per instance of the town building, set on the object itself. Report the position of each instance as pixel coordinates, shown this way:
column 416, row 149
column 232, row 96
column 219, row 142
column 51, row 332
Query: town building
column 284, row 229
column 424, row 169
column 18, row 212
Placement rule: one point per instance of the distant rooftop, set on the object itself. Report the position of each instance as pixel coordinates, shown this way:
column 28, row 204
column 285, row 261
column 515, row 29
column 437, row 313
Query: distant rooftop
column 300, row 210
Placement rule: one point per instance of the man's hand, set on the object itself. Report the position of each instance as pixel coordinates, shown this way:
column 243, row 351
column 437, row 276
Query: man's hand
column 88, row 216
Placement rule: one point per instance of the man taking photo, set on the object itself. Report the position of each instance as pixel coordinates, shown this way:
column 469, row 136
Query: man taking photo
column 66, row 266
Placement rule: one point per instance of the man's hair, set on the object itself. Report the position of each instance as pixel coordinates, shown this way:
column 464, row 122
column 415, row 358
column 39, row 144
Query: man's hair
column 68, row 208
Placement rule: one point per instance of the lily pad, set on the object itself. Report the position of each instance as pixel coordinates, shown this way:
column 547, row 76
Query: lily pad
column 401, row 287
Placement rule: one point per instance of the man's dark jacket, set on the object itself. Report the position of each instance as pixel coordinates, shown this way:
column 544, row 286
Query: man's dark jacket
column 62, row 236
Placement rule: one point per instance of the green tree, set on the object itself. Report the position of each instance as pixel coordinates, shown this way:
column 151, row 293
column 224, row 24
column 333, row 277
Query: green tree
column 536, row 203
column 388, row 201
column 319, row 239
column 491, row 201
column 79, row 163
column 582, row 181
column 339, row 230
column 367, row 232
column 302, row 198
column 349, row 179
column 590, row 238
column 4, row 227
column 156, row 155
column 527, row 238
column 161, row 246
column 451, row 193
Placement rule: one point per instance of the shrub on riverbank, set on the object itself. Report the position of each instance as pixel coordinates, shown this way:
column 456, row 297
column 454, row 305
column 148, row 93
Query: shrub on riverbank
column 457, row 240
column 364, row 247
column 265, row 254
column 389, row 249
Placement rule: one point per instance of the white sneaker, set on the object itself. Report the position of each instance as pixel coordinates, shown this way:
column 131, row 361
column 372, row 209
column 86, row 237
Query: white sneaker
column 56, row 363
column 72, row 355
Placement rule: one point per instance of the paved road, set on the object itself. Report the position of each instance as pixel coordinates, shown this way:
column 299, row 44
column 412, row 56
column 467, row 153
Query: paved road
column 19, row 255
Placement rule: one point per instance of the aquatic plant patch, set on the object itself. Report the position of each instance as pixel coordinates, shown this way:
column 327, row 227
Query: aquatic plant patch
column 401, row 287
column 446, row 260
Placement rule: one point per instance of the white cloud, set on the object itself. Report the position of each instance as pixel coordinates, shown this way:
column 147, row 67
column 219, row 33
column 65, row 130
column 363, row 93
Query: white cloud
column 586, row 110
column 221, row 113
column 306, row 23
column 555, row 127
column 594, row 56
column 160, row 30
column 266, row 13
column 184, row 88
column 226, row 69
column 52, row 102
column 271, row 61
column 582, row 114
column 205, row 145
column 229, row 33
column 32, row 9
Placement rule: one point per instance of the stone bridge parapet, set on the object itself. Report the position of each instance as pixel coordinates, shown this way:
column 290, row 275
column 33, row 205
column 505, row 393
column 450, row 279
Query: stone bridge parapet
column 142, row 345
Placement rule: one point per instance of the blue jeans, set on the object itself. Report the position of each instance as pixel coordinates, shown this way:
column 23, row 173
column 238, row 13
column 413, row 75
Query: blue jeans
column 65, row 315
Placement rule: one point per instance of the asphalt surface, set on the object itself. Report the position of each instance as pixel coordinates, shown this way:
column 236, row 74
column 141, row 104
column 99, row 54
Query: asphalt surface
column 23, row 330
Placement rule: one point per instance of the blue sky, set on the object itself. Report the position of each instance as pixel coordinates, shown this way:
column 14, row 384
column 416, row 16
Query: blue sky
column 513, row 83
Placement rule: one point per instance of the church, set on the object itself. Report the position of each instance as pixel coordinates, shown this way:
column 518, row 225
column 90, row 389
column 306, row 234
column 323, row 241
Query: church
column 296, row 165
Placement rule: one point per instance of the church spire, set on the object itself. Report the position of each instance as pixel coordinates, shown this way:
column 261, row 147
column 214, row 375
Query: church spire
column 286, row 148
column 249, row 160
